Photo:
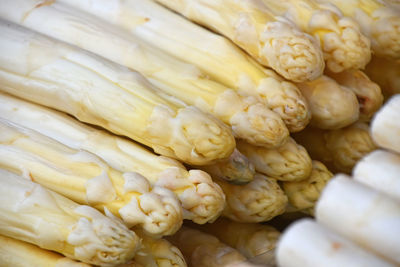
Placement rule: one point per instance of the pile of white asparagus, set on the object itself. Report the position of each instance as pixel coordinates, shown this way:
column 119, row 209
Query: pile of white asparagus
column 157, row 133
column 358, row 217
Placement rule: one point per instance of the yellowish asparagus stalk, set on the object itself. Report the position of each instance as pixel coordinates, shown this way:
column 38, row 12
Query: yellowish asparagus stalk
column 158, row 253
column 258, row 201
column 368, row 93
column 204, row 250
column 37, row 215
column 379, row 21
column 86, row 179
column 289, row 162
column 303, row 195
column 342, row 42
column 255, row 241
column 15, row 252
column 201, row 199
column 168, row 73
column 380, row 170
column 339, row 149
column 272, row 41
column 237, row 169
column 109, row 95
column 332, row 105
column 385, row 126
column 386, row 73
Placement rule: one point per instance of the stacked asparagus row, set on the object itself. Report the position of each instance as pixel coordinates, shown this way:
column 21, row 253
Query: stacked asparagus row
column 151, row 119
column 366, row 232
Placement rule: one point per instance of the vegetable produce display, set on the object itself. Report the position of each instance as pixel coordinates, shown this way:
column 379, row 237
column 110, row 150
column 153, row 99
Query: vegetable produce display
column 198, row 133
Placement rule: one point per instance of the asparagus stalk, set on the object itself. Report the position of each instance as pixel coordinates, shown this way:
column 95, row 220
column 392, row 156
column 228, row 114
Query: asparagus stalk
column 339, row 149
column 273, row 41
column 204, row 250
column 303, row 195
column 86, row 179
column 372, row 220
column 307, row 243
column 385, row 126
column 378, row 20
column 290, row 162
column 380, row 170
column 368, row 93
column 258, row 201
column 386, row 73
column 109, row 95
column 342, row 42
column 15, row 252
column 323, row 96
column 201, row 199
column 237, row 169
column 34, row 214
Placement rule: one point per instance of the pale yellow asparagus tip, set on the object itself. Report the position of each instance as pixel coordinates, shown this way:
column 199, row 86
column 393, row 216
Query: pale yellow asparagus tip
column 202, row 250
column 343, row 44
column 303, row 195
column 258, row 201
column 37, row 215
column 294, row 54
column 368, row 93
column 332, row 106
column 290, row 162
column 202, row 199
column 190, row 135
column 255, row 122
column 237, row 169
column 379, row 20
column 286, row 100
column 15, row 252
column 158, row 253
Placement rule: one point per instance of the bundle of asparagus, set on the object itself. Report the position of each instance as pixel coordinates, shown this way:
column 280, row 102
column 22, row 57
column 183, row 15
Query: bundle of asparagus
column 166, row 71
column 86, row 179
column 200, row 198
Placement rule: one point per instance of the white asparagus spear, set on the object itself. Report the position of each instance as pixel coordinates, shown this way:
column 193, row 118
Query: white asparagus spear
column 307, row 243
column 369, row 218
column 380, row 170
column 385, row 126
